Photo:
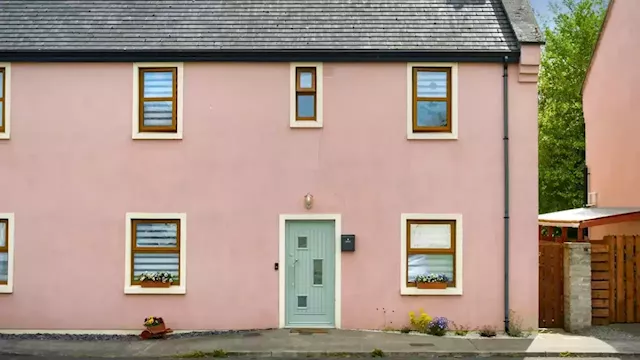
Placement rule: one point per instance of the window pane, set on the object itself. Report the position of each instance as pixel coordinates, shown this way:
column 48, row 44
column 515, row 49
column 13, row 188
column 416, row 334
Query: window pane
column 3, row 234
column 302, row 242
column 157, row 235
column 1, row 84
column 427, row 264
column 158, row 84
column 1, row 113
column 317, row 271
column 4, row 267
column 306, row 106
column 432, row 113
column 306, row 80
column 432, row 84
column 155, row 263
column 158, row 113
column 302, row 301
column 430, row 236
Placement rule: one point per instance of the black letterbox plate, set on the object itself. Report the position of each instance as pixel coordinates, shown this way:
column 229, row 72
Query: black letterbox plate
column 348, row 242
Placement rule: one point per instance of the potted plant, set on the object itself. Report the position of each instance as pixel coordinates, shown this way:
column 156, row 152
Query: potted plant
column 156, row 279
column 154, row 324
column 432, row 281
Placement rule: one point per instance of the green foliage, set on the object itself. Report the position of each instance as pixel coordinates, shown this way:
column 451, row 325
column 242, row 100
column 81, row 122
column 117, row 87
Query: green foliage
column 565, row 60
column 377, row 353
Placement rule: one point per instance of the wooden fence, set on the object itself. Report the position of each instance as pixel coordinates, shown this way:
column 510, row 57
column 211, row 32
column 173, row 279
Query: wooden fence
column 551, row 284
column 600, row 279
column 624, row 271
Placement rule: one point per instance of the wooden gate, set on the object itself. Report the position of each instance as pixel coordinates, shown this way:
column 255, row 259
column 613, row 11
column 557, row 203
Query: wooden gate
column 624, row 272
column 551, row 286
column 600, row 282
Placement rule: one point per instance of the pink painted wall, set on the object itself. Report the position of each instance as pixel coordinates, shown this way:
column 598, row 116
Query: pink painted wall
column 73, row 172
column 611, row 107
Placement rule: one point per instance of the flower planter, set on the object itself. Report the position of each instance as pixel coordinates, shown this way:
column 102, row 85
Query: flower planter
column 431, row 285
column 156, row 329
column 154, row 284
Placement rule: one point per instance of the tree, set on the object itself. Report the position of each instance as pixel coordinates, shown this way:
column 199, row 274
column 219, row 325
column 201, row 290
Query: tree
column 565, row 60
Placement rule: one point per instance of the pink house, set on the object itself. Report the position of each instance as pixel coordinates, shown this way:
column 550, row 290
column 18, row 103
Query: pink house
column 610, row 99
column 288, row 164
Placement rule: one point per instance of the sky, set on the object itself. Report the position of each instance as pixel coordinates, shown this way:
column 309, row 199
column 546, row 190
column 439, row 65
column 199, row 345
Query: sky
column 541, row 7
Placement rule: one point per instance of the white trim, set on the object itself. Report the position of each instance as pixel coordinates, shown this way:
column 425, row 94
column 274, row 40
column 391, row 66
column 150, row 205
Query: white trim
column 453, row 135
column 319, row 97
column 137, row 289
column 135, row 134
column 7, row 101
column 404, row 289
column 337, row 218
column 10, row 217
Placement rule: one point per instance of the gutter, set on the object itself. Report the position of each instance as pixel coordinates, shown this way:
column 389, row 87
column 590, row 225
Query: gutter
column 505, row 139
column 373, row 55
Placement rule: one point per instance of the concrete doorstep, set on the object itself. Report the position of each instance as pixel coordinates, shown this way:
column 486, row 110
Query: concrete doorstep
column 334, row 343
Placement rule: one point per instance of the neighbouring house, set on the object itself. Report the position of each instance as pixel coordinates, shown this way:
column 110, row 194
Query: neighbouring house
column 290, row 163
column 611, row 101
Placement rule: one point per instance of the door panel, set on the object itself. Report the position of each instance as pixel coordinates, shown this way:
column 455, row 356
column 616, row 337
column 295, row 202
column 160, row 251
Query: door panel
column 310, row 273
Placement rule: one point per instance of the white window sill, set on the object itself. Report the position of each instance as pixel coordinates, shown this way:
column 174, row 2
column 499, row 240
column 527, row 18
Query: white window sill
column 6, row 289
column 413, row 291
column 5, row 136
column 432, row 136
column 157, row 136
column 139, row 290
column 308, row 124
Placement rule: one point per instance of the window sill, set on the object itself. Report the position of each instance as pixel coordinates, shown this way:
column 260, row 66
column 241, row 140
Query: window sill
column 6, row 289
column 308, row 124
column 157, row 136
column 432, row 136
column 415, row 291
column 5, row 136
column 139, row 290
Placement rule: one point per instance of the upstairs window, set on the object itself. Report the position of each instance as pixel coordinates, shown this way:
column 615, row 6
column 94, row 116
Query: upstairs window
column 158, row 100
column 2, row 99
column 306, row 97
column 431, row 99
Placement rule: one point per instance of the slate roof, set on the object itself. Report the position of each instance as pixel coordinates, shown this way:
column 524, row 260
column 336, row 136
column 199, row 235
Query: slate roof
column 263, row 25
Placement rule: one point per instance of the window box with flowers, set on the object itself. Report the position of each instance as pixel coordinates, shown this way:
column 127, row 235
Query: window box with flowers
column 160, row 279
column 432, row 281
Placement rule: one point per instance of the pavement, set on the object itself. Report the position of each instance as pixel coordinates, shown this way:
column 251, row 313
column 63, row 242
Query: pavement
column 331, row 344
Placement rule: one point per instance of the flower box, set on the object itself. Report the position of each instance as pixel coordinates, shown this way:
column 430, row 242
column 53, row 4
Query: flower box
column 154, row 284
column 431, row 285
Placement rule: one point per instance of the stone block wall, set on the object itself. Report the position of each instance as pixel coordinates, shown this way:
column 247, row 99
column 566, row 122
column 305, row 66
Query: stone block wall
column 577, row 286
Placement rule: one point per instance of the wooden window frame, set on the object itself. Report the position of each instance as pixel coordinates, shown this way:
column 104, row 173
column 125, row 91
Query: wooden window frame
column 416, row 98
column 155, row 250
column 174, row 99
column 304, row 91
column 432, row 251
column 3, row 86
column 5, row 248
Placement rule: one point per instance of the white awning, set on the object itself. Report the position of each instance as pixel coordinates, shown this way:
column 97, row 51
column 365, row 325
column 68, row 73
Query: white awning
column 574, row 217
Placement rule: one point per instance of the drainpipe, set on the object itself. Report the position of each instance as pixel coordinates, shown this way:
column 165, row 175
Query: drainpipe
column 505, row 139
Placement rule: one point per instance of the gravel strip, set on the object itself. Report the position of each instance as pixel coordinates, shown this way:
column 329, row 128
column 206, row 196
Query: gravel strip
column 99, row 337
column 607, row 333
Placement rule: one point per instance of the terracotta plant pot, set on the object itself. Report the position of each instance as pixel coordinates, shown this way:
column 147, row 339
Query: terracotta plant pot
column 154, row 284
column 155, row 329
column 431, row 285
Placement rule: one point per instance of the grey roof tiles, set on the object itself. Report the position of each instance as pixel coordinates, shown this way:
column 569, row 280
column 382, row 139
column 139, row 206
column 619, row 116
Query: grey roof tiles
column 246, row 25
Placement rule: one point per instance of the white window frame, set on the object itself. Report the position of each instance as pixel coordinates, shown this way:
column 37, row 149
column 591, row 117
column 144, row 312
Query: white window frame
column 318, row 123
column 406, row 290
column 172, row 290
column 6, row 135
column 453, row 135
column 135, row 130
column 10, row 217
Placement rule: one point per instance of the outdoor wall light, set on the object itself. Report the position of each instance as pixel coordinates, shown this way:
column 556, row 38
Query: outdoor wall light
column 308, row 201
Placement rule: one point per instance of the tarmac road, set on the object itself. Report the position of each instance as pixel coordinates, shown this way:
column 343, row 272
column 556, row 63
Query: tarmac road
column 20, row 357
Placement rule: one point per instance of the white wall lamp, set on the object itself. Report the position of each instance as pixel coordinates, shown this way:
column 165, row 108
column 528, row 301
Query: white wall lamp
column 308, row 201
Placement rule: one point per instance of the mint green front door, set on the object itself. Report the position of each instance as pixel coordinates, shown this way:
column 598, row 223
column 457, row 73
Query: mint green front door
column 310, row 273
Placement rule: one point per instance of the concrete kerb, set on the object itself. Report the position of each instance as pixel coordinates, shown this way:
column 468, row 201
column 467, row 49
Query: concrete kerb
column 358, row 354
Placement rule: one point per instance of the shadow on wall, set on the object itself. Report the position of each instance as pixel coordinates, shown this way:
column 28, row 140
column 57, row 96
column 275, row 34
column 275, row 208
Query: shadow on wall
column 458, row 4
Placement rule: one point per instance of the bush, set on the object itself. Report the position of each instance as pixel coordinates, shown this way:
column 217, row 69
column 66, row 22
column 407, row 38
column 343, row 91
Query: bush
column 487, row 331
column 420, row 323
column 438, row 326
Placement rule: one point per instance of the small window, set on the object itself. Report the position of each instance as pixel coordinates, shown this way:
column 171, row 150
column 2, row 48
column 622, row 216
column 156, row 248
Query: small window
column 3, row 90
column 158, row 103
column 4, row 251
column 302, row 301
column 302, row 242
column 306, row 98
column 155, row 247
column 431, row 249
column 431, row 100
